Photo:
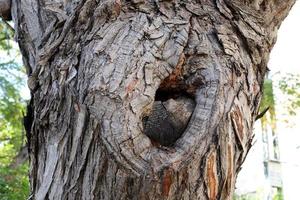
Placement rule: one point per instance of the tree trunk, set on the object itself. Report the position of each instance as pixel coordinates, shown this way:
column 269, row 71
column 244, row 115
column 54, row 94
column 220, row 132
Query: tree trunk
column 97, row 67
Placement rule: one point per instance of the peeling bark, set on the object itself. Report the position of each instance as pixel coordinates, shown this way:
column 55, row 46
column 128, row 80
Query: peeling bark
column 95, row 70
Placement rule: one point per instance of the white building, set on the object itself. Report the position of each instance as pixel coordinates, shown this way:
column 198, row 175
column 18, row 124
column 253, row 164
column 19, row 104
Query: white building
column 261, row 175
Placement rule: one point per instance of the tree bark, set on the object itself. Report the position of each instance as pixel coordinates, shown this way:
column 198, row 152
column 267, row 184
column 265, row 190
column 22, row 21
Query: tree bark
column 95, row 70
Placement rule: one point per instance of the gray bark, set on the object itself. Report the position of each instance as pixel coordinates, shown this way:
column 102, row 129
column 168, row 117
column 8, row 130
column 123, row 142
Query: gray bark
column 95, row 70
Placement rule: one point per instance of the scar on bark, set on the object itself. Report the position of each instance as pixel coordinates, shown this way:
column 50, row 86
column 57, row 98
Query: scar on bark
column 211, row 177
column 5, row 12
column 173, row 107
column 167, row 180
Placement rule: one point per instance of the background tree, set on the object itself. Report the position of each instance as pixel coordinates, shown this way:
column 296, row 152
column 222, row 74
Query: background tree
column 13, row 168
column 289, row 84
column 97, row 67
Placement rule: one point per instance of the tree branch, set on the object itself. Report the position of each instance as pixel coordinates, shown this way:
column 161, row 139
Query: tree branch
column 8, row 25
column 260, row 115
column 20, row 158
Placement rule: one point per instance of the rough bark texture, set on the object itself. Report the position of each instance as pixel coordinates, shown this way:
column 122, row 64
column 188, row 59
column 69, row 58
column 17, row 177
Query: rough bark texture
column 95, row 69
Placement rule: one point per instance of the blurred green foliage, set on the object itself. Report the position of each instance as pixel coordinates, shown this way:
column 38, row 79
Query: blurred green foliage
column 268, row 101
column 246, row 197
column 278, row 195
column 290, row 86
column 6, row 35
column 14, row 184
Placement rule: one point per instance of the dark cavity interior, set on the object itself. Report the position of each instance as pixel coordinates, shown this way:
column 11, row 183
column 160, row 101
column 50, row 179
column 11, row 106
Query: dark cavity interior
column 172, row 109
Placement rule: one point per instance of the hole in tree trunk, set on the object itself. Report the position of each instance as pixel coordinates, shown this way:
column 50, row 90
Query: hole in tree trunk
column 172, row 109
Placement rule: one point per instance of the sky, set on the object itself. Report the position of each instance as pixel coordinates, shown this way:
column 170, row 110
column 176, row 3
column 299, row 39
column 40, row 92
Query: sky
column 285, row 54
